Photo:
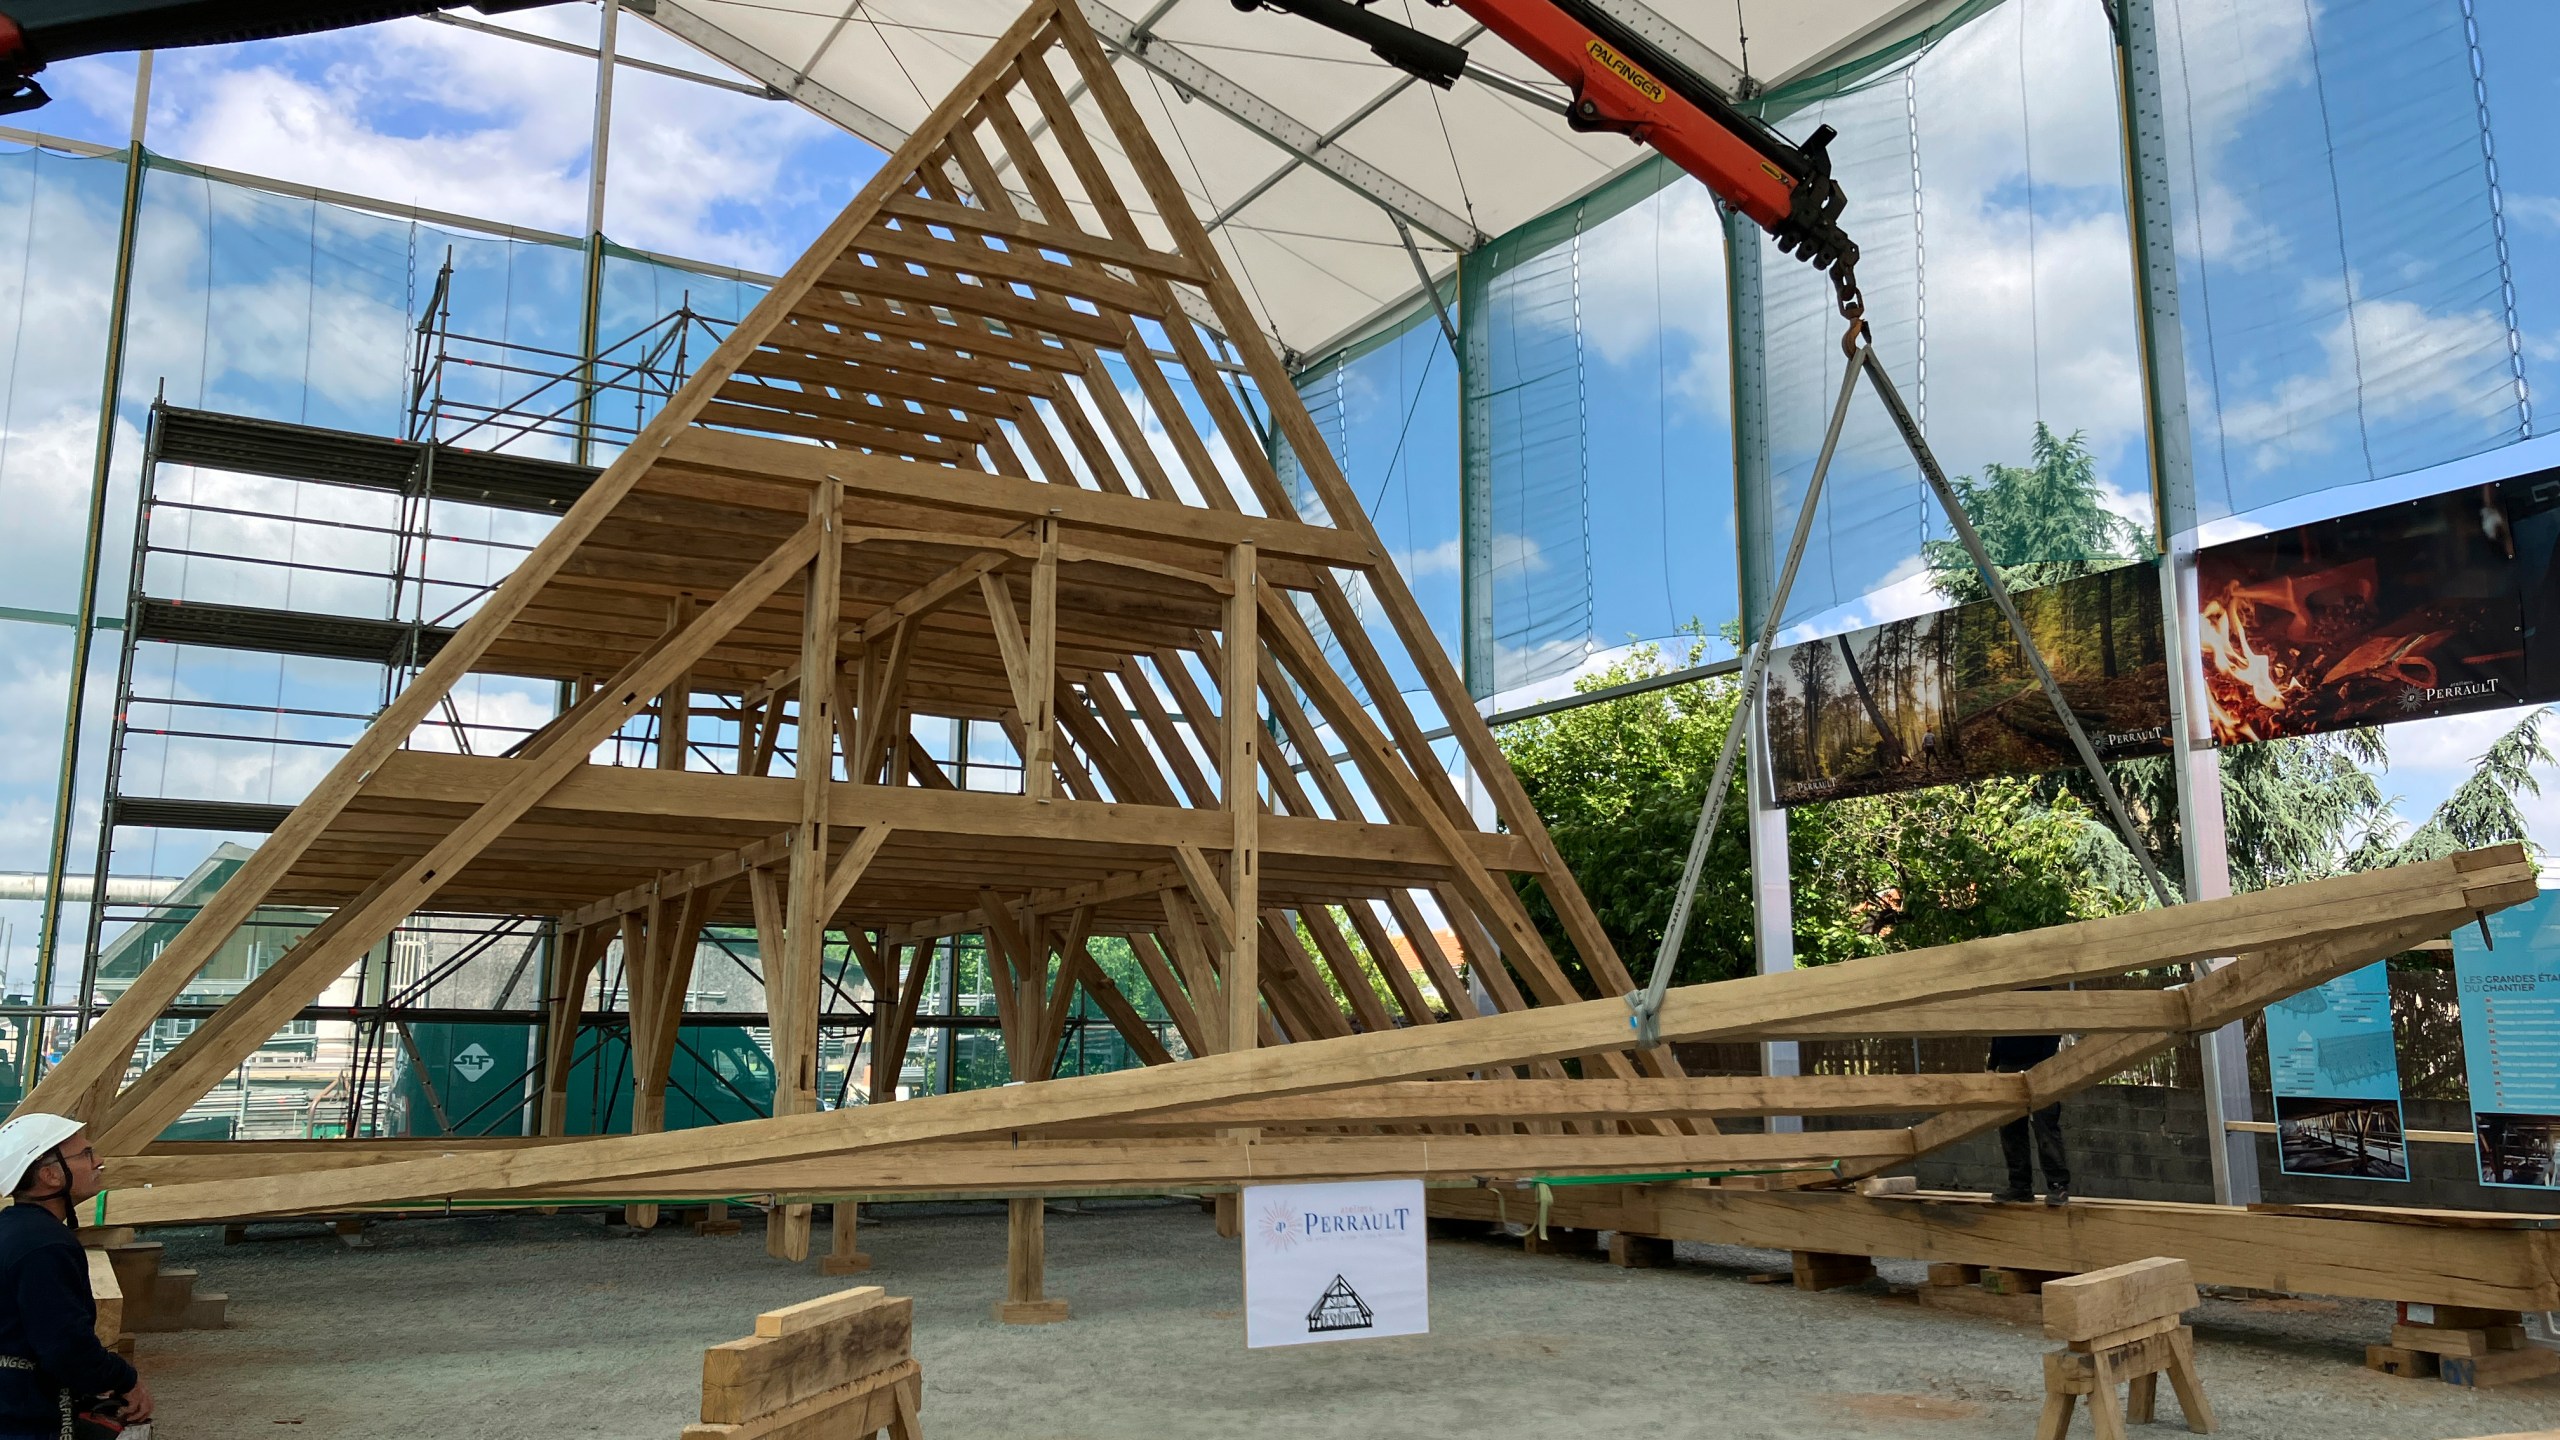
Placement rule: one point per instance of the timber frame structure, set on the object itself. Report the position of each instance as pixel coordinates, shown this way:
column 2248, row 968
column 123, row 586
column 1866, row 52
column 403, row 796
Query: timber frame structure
column 911, row 482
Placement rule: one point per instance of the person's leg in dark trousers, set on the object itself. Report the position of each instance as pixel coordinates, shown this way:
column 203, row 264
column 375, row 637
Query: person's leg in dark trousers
column 2015, row 1148
column 2049, row 1153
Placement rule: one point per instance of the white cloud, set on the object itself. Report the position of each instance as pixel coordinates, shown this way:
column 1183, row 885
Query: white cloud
column 2534, row 212
column 1445, row 558
column 1655, row 273
column 434, row 115
column 2384, row 358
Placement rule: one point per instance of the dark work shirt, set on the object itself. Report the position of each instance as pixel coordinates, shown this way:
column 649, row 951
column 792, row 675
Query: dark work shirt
column 48, row 1315
column 2017, row 1052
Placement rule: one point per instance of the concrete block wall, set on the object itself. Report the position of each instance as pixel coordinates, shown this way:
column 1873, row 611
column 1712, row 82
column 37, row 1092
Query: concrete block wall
column 2140, row 1142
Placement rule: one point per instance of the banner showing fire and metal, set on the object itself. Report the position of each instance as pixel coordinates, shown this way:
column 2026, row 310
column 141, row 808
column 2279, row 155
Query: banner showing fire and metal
column 2401, row 613
column 2337, row 1080
column 1949, row 696
column 2511, row 1041
column 1334, row 1262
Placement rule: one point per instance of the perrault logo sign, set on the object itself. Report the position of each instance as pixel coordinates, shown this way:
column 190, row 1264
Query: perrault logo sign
column 1340, row 1261
column 1281, row 1226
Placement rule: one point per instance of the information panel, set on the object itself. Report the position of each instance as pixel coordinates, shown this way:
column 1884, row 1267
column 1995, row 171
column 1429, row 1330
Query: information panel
column 2511, row 1041
column 1334, row 1262
column 2337, row 1080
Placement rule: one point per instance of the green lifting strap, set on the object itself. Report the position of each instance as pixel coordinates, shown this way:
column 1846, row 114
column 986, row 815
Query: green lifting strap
column 1546, row 1183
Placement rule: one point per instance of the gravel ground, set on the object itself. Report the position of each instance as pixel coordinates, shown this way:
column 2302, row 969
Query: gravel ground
column 527, row 1326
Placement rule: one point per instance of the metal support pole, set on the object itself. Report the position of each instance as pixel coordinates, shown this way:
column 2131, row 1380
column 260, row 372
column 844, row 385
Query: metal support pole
column 1773, row 923
column 1773, row 928
column 598, row 151
column 1475, row 516
column 119, row 306
column 2196, row 764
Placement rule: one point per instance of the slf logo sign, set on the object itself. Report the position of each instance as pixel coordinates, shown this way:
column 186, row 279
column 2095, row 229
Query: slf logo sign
column 473, row 1062
column 1334, row 1262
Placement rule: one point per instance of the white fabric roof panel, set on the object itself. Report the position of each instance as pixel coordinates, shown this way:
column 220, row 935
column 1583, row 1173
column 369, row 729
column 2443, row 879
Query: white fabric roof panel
column 1318, row 259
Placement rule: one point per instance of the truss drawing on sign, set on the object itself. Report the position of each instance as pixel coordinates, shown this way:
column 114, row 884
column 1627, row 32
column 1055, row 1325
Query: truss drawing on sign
column 1339, row 1308
column 912, row 483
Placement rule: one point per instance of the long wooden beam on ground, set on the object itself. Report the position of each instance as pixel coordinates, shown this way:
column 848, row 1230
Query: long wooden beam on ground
column 1031, row 1167
column 2287, row 924
column 2502, row 1262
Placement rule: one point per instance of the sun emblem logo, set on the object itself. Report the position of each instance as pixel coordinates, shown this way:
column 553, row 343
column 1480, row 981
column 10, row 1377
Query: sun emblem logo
column 1276, row 1227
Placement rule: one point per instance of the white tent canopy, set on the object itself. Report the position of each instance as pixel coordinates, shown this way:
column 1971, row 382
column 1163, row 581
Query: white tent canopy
column 1303, row 150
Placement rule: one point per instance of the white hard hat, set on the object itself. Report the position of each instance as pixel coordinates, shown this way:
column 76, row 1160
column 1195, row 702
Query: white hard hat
column 28, row 1139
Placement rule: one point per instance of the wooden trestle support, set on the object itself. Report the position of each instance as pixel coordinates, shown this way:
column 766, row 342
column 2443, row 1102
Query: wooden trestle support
column 915, row 481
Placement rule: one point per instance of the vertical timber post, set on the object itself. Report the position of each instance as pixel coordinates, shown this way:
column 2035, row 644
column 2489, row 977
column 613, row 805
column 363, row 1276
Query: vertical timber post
column 1026, row 1257
column 2196, row 763
column 1773, row 931
column 1242, row 764
column 794, row 1004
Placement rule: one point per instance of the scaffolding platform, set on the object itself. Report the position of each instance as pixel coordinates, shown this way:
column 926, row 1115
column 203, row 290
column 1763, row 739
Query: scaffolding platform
column 289, row 632
column 283, row 450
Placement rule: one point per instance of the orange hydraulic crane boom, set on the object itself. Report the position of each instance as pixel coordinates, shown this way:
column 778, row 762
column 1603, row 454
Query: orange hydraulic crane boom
column 1624, row 83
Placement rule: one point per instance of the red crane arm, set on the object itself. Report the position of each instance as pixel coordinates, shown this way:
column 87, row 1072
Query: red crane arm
column 1619, row 92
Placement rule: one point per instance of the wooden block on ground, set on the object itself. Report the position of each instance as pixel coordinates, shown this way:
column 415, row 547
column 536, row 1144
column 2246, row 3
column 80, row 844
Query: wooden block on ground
column 2120, row 1297
column 853, row 1264
column 1030, row 1312
column 1889, row 1185
column 1973, row 1300
column 2006, row 1280
column 1822, row 1270
column 2505, row 1367
column 207, row 1312
column 165, row 1309
column 2440, row 1342
column 1560, row 1240
column 857, row 1409
column 810, row 1314
column 1638, row 1252
column 1228, row 1207
column 1942, row 1273
column 2405, row 1363
column 713, row 1219
column 137, row 1272
column 2457, row 1317
column 235, row 1234
column 743, row 1379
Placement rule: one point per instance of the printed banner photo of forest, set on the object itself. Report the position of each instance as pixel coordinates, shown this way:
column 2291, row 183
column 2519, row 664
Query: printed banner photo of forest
column 1950, row 696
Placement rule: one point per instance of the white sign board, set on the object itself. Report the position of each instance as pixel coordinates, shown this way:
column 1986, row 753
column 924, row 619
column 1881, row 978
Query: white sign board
column 1334, row 1262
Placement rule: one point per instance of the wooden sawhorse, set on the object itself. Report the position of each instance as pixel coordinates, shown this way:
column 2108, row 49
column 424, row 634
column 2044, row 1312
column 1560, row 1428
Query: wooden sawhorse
column 2121, row 1326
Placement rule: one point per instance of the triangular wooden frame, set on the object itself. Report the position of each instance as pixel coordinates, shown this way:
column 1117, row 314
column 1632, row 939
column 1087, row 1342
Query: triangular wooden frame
column 1032, row 498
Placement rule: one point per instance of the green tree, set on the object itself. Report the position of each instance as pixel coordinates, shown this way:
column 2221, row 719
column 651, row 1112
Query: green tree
column 2041, row 523
column 2483, row 809
column 1620, row 784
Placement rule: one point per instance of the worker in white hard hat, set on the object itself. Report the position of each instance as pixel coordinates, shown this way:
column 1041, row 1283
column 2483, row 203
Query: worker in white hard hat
column 52, row 1367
